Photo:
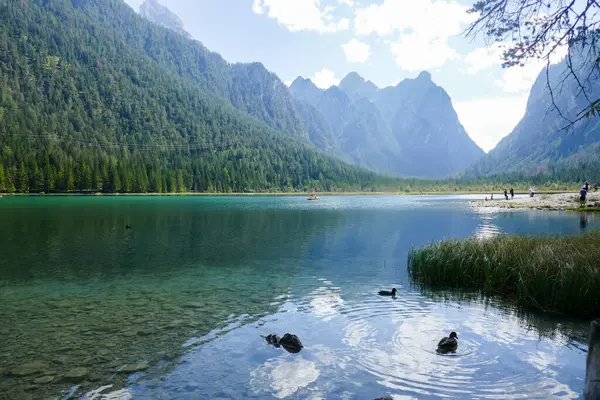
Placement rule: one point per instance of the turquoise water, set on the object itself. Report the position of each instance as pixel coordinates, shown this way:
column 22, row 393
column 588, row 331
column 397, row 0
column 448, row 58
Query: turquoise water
column 175, row 307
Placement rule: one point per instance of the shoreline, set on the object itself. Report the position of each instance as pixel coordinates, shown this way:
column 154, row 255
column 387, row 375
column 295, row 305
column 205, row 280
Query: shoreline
column 391, row 193
column 551, row 202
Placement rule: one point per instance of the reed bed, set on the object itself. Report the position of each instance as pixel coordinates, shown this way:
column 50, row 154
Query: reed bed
column 559, row 274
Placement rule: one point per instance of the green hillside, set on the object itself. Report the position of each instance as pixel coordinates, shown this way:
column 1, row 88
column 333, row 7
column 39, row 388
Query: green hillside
column 84, row 107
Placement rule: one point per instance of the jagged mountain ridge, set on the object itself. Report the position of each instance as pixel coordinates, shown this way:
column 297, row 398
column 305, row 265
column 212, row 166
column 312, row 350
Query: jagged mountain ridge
column 408, row 129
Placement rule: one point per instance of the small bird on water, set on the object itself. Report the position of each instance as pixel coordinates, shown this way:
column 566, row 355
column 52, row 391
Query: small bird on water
column 448, row 344
column 387, row 292
column 127, row 227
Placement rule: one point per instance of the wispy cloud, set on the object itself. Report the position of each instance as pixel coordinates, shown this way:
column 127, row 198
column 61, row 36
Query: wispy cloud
column 423, row 28
column 301, row 15
column 325, row 78
column 356, row 51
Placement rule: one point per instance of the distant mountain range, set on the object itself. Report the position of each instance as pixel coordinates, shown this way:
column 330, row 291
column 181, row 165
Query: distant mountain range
column 409, row 129
column 540, row 142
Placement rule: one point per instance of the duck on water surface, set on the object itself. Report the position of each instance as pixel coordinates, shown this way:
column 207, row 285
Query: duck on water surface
column 448, row 344
column 388, row 292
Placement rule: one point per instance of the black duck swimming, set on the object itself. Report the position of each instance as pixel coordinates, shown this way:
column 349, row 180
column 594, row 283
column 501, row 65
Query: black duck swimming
column 388, row 292
column 448, row 344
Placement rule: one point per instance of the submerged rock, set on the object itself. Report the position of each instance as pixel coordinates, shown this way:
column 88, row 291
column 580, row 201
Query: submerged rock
column 175, row 324
column 44, row 380
column 193, row 304
column 29, row 368
column 129, row 368
column 76, row 374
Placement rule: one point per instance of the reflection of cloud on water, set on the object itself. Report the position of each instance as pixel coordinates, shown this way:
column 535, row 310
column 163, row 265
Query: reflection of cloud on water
column 486, row 229
column 505, row 329
column 97, row 394
column 326, row 301
column 409, row 362
column 356, row 332
column 544, row 361
column 287, row 374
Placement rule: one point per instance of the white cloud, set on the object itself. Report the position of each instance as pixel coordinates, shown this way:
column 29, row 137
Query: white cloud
column 288, row 83
column 343, row 24
column 426, row 18
column 349, row 3
column 488, row 120
column 424, row 27
column 413, row 53
column 515, row 79
column 325, row 79
column 301, row 15
column 356, row 51
column 483, row 58
column 257, row 7
column 519, row 79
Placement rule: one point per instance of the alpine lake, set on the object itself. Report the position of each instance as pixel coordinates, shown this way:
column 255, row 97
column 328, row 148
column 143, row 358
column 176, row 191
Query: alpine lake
column 177, row 305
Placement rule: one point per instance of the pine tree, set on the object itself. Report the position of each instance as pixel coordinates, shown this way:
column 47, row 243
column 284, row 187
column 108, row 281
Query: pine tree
column 23, row 179
column 2, row 178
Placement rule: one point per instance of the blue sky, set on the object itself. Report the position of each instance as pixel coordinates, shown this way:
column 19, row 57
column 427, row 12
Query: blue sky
column 385, row 41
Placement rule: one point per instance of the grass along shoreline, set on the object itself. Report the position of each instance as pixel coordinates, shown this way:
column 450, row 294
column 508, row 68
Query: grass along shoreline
column 557, row 274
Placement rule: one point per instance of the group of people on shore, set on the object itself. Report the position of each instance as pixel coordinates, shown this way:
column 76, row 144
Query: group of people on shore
column 583, row 192
column 512, row 194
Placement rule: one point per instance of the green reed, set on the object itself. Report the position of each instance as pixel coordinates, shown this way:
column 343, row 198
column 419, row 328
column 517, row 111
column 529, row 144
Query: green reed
column 560, row 274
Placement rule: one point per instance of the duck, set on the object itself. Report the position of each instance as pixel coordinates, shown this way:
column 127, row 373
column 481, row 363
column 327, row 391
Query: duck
column 448, row 344
column 291, row 343
column 387, row 292
column 127, row 227
column 273, row 339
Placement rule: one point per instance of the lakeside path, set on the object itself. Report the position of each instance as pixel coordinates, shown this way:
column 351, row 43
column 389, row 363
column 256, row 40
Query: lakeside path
column 557, row 202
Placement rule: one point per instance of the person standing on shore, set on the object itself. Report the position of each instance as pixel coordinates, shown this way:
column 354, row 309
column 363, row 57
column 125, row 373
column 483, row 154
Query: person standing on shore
column 512, row 193
column 582, row 195
column 505, row 194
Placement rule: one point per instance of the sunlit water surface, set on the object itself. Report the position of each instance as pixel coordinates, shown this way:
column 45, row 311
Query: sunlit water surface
column 175, row 307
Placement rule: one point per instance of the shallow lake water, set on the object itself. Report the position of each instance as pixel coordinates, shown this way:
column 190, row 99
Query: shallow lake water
column 174, row 308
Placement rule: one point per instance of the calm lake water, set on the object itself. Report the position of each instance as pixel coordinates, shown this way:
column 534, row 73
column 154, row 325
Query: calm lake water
column 174, row 308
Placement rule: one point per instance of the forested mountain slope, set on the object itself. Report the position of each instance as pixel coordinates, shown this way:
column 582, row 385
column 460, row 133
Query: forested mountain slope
column 93, row 97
